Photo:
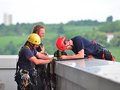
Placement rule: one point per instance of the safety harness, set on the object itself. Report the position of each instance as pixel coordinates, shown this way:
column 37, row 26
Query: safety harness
column 26, row 76
column 103, row 53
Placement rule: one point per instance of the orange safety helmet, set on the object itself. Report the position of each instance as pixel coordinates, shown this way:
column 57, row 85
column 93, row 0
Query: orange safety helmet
column 60, row 43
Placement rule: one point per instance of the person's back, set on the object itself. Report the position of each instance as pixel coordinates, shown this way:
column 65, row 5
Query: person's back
column 82, row 43
column 24, row 54
column 90, row 48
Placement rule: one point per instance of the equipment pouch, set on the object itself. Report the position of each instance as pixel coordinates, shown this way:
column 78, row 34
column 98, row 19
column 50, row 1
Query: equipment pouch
column 34, row 77
column 107, row 55
column 17, row 77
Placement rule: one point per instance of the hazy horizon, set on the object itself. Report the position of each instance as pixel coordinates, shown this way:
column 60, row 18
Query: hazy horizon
column 58, row 11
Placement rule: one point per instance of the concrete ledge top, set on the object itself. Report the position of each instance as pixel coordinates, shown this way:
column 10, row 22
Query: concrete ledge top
column 8, row 56
column 104, row 69
column 9, row 61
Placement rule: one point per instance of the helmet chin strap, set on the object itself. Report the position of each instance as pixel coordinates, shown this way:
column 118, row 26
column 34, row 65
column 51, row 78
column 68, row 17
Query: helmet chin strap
column 30, row 45
column 71, row 43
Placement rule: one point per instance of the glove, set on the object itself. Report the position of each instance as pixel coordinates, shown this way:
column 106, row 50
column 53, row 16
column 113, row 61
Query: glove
column 55, row 58
column 59, row 53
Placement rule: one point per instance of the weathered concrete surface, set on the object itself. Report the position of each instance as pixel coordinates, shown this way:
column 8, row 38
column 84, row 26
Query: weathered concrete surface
column 85, row 74
column 7, row 71
column 2, row 86
column 8, row 61
column 88, row 74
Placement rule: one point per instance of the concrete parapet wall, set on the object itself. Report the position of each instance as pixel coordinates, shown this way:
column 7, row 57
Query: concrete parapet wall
column 7, row 72
column 88, row 75
column 85, row 74
column 2, row 86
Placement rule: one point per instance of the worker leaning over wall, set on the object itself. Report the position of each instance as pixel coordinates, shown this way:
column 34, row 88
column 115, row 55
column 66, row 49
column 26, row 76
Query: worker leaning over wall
column 83, row 48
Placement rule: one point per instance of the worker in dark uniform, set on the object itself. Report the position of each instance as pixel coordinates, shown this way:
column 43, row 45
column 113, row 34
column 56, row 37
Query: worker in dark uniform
column 26, row 75
column 83, row 48
column 41, row 68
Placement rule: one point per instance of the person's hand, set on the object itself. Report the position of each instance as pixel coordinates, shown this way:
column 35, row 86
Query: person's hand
column 63, row 57
column 53, row 58
column 45, row 53
column 90, row 56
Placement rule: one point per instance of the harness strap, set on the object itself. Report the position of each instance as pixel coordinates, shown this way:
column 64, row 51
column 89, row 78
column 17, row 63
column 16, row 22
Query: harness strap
column 16, row 68
column 104, row 53
column 107, row 55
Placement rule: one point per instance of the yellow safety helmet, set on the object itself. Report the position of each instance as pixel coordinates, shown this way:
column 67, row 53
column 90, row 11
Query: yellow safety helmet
column 34, row 39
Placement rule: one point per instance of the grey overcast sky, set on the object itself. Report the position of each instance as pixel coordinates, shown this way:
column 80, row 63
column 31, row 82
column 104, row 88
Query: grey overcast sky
column 57, row 11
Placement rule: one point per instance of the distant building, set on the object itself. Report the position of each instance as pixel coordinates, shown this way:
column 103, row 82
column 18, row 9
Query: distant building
column 110, row 36
column 7, row 19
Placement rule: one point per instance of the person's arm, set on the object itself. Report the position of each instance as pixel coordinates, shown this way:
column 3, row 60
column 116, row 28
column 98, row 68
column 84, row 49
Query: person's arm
column 40, row 61
column 42, row 49
column 42, row 55
column 79, row 55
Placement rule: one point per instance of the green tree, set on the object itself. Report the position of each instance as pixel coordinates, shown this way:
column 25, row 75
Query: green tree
column 61, row 30
column 11, row 49
column 110, row 27
column 115, row 42
column 109, row 19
